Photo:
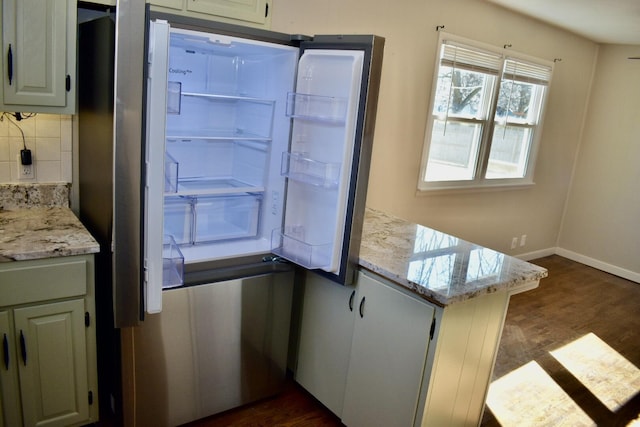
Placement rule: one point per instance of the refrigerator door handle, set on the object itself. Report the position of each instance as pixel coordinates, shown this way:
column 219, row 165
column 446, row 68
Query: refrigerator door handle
column 158, row 61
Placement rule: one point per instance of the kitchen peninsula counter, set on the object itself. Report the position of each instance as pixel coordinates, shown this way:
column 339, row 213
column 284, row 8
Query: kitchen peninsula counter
column 36, row 223
column 439, row 267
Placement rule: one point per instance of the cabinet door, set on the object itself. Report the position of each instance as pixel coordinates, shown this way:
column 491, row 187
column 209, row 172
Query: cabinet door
column 244, row 10
column 390, row 342
column 325, row 340
column 38, row 54
column 9, row 402
column 53, row 363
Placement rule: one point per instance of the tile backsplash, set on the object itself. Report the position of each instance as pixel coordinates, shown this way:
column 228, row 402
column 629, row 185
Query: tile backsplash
column 48, row 136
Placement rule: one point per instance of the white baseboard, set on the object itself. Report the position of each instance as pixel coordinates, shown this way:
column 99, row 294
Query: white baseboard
column 537, row 254
column 600, row 265
column 582, row 259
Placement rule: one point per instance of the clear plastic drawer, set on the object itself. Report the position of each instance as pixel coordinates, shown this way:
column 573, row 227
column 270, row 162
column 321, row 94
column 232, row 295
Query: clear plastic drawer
column 226, row 217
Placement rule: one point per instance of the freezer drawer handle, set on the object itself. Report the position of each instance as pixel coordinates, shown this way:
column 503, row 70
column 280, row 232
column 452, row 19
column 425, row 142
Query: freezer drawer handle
column 5, row 349
column 361, row 308
column 353, row 294
column 23, row 348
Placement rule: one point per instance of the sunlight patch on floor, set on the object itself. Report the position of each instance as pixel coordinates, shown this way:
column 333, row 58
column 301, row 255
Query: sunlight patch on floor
column 528, row 396
column 602, row 370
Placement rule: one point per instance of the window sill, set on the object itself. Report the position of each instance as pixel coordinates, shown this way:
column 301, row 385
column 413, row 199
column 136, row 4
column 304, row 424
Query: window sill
column 473, row 189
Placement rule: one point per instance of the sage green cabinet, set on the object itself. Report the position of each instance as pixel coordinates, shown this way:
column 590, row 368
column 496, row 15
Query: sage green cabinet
column 39, row 56
column 48, row 375
column 255, row 13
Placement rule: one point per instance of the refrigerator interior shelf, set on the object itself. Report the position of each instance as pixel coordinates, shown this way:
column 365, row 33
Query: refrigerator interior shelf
column 214, row 135
column 297, row 167
column 289, row 243
column 327, row 109
column 172, row 263
column 199, row 187
column 229, row 98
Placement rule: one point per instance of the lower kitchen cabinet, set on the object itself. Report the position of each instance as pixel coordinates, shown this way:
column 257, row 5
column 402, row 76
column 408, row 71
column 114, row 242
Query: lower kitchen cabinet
column 48, row 375
column 376, row 354
column 362, row 350
column 388, row 353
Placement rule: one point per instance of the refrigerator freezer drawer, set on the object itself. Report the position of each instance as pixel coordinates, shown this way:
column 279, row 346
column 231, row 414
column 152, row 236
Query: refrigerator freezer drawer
column 214, row 347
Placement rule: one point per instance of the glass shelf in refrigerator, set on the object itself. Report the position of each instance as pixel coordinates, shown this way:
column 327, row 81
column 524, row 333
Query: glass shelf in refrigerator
column 214, row 135
column 226, row 217
column 223, row 116
column 328, row 109
column 172, row 263
column 214, row 186
column 298, row 167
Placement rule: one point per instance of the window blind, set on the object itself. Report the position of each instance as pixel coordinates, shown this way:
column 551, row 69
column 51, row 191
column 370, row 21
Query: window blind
column 519, row 70
column 473, row 59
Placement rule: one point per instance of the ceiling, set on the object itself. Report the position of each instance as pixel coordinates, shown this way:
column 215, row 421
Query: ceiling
column 603, row 21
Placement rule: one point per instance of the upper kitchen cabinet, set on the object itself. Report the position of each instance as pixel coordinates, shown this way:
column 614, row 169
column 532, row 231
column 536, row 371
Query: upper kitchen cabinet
column 39, row 56
column 253, row 13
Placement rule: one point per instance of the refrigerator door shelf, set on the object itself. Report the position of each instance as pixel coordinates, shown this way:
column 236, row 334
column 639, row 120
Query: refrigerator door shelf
column 172, row 263
column 178, row 219
column 170, row 174
column 289, row 243
column 297, row 167
column 327, row 109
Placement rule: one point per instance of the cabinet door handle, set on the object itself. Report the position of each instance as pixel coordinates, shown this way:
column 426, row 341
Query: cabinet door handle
column 5, row 350
column 353, row 294
column 10, row 65
column 23, row 348
column 361, row 308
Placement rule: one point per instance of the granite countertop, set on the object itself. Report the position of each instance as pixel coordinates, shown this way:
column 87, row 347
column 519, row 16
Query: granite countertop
column 439, row 267
column 36, row 222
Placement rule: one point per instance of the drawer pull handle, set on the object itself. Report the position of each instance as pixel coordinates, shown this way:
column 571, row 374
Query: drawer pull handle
column 23, row 348
column 361, row 308
column 353, row 294
column 5, row 350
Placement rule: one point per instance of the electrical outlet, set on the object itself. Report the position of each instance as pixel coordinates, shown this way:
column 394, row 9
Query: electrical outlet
column 25, row 171
column 514, row 242
column 523, row 240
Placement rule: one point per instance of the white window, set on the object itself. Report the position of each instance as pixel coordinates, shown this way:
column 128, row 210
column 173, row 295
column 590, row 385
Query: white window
column 486, row 114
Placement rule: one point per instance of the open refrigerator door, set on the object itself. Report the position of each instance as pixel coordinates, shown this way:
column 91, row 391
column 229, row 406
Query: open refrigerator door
column 318, row 165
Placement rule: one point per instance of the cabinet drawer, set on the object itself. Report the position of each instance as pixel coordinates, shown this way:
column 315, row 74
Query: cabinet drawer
column 32, row 281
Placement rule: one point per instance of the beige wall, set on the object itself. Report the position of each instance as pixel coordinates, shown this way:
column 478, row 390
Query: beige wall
column 489, row 218
column 602, row 220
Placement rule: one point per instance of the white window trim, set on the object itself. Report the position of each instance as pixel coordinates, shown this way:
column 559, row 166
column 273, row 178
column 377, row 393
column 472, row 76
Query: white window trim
column 479, row 183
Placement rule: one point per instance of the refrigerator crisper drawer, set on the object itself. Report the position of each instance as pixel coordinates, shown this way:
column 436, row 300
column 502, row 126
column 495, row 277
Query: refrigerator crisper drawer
column 226, row 217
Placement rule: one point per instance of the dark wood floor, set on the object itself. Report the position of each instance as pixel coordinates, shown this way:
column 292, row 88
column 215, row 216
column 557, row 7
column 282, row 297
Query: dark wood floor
column 572, row 301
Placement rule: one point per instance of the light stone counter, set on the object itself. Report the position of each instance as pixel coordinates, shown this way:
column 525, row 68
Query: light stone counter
column 441, row 268
column 36, row 222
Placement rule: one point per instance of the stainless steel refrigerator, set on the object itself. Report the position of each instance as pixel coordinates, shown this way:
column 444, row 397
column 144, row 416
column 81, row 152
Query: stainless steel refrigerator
column 237, row 154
